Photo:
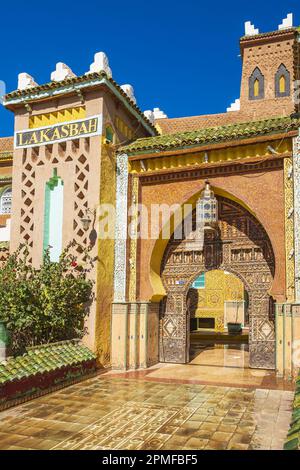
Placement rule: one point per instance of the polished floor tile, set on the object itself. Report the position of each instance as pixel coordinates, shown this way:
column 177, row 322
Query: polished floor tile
column 134, row 414
column 214, row 364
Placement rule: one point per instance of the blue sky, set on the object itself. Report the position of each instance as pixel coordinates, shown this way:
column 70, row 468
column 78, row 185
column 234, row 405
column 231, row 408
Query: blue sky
column 180, row 56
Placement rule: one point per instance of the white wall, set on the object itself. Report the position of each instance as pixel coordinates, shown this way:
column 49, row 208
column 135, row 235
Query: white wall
column 5, row 232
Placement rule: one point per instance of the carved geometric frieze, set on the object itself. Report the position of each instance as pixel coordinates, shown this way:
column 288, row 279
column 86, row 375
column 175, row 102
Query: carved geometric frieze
column 262, row 354
column 78, row 152
column 261, row 329
column 121, row 229
column 296, row 173
column 133, row 239
column 172, row 350
column 289, row 229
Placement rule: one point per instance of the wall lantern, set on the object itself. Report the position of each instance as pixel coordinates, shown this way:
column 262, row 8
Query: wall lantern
column 206, row 219
column 207, row 209
column 86, row 220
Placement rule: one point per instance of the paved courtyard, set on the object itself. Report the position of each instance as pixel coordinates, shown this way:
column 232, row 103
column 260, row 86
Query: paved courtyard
column 120, row 413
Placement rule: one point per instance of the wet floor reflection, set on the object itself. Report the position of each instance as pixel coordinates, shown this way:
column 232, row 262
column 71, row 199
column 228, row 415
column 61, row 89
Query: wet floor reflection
column 118, row 413
column 210, row 353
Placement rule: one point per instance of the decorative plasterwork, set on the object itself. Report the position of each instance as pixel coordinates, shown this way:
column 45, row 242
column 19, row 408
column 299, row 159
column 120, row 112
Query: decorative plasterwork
column 121, row 229
column 296, row 171
column 226, row 169
column 51, row 156
column 133, row 239
column 240, row 246
column 289, row 228
column 227, row 156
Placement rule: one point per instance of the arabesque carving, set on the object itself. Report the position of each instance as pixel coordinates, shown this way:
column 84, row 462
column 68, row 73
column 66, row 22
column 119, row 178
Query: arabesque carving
column 241, row 246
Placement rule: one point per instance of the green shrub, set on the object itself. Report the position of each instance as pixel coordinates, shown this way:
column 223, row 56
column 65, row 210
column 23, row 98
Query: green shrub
column 43, row 305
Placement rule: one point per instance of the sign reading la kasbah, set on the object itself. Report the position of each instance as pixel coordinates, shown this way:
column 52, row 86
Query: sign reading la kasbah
column 59, row 132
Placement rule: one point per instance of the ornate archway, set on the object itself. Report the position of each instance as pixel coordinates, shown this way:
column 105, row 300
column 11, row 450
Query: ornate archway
column 240, row 245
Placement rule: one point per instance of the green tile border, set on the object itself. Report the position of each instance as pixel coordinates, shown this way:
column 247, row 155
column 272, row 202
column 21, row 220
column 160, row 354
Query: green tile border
column 43, row 369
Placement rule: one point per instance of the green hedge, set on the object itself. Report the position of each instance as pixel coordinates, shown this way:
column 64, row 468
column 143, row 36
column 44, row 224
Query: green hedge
column 293, row 437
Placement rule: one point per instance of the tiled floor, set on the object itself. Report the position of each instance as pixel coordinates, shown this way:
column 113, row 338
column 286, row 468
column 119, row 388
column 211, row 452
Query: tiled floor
column 213, row 364
column 118, row 413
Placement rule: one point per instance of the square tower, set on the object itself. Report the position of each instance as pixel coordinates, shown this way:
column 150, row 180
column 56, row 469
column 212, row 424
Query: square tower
column 270, row 69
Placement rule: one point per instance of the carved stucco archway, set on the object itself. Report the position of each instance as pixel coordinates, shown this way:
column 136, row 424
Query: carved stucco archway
column 241, row 246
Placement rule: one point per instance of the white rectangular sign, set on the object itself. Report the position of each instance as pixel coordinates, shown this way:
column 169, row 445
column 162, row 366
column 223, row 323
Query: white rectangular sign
column 61, row 132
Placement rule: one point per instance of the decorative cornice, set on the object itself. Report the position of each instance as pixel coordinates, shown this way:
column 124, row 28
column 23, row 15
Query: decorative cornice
column 271, row 34
column 71, row 85
column 6, row 156
column 216, row 170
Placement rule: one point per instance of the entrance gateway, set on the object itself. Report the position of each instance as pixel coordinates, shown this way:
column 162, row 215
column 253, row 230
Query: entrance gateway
column 88, row 133
column 240, row 246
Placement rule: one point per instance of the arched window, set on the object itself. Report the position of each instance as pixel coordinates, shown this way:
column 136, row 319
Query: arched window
column 53, row 216
column 5, row 201
column 282, row 82
column 256, row 85
column 109, row 134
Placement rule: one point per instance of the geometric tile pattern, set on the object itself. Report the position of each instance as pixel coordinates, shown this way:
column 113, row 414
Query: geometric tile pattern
column 121, row 229
column 104, row 413
column 296, row 174
column 289, row 228
column 81, row 187
column 77, row 151
column 27, row 194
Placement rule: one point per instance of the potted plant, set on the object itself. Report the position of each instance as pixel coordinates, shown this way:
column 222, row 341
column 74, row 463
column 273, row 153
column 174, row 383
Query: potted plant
column 235, row 327
column 3, row 341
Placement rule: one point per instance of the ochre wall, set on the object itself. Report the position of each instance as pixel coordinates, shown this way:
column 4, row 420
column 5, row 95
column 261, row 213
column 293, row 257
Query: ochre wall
column 105, row 270
column 219, row 287
column 262, row 192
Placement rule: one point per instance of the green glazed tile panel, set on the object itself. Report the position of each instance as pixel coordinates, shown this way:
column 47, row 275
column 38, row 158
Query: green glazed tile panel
column 43, row 359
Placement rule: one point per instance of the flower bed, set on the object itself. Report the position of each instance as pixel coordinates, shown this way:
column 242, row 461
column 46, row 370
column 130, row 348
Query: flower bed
column 293, row 437
column 43, row 369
